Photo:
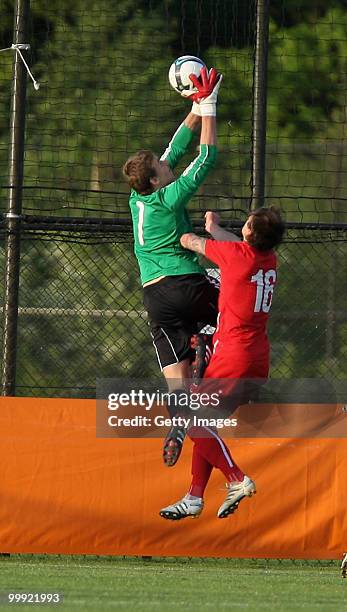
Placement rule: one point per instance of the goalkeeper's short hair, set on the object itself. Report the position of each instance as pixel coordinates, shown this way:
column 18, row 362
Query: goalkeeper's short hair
column 138, row 171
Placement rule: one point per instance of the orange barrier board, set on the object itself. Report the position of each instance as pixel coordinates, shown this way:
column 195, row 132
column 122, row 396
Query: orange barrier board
column 65, row 491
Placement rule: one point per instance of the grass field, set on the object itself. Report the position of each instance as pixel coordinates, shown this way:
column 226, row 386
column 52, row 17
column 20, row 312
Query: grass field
column 92, row 583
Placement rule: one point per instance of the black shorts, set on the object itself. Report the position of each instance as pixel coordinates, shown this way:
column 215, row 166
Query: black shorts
column 178, row 307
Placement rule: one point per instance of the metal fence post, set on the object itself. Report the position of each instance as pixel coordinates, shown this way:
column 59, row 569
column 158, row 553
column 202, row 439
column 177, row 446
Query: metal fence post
column 13, row 215
column 259, row 104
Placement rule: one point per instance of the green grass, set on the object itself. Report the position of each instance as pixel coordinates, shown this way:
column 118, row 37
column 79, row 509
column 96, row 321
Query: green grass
column 91, row 583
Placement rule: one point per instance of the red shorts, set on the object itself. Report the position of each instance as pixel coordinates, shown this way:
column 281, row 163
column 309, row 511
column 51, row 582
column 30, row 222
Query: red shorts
column 225, row 364
column 235, row 377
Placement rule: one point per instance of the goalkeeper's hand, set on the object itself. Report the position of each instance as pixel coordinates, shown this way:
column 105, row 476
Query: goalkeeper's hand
column 207, row 86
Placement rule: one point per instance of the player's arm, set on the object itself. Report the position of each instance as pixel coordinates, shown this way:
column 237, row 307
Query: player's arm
column 182, row 138
column 178, row 193
column 204, row 105
column 218, row 233
column 193, row 121
column 221, row 253
column 206, row 97
column 192, row 242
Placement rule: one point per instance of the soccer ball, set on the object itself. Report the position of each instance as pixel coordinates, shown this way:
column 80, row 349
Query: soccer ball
column 181, row 69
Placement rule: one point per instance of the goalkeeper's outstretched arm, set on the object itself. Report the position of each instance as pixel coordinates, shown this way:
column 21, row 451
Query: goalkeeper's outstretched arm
column 206, row 97
column 201, row 117
column 178, row 193
column 182, row 138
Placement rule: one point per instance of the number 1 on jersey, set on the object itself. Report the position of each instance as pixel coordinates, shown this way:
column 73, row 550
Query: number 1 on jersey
column 140, row 205
column 265, row 287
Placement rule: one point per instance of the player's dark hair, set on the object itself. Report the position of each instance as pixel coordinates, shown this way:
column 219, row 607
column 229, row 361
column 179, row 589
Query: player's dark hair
column 267, row 228
column 138, row 171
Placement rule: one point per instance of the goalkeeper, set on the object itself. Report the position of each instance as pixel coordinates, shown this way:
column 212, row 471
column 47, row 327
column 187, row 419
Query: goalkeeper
column 178, row 296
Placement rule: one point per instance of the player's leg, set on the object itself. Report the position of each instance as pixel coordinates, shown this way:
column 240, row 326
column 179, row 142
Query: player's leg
column 173, row 350
column 202, row 343
column 210, row 451
column 201, row 472
column 191, row 505
column 174, row 439
column 165, row 304
column 195, row 307
column 237, row 379
column 199, row 299
column 172, row 305
column 202, row 297
column 177, row 374
column 170, row 345
column 214, row 450
column 178, row 307
column 216, row 453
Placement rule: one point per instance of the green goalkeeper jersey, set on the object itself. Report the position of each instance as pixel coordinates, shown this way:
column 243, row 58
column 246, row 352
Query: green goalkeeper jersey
column 160, row 219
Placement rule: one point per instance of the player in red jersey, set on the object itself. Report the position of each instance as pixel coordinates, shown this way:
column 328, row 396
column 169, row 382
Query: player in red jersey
column 241, row 346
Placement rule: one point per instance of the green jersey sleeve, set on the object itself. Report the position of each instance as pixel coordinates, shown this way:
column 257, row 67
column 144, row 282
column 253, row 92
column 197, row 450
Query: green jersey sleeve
column 178, row 145
column 177, row 195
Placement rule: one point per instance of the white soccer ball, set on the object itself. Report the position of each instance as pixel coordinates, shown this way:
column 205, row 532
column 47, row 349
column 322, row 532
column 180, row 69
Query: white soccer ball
column 180, row 70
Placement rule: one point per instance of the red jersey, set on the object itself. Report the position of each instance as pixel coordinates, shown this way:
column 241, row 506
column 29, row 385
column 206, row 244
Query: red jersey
column 248, row 277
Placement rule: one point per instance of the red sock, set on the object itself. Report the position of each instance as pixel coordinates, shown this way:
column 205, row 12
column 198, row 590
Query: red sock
column 201, row 472
column 214, row 450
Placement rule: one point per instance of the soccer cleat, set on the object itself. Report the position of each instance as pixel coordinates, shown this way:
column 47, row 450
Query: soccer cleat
column 183, row 509
column 344, row 566
column 236, row 492
column 173, row 444
column 203, row 346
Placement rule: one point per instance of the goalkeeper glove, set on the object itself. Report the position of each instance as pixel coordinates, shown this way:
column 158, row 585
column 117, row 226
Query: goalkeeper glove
column 196, row 109
column 207, row 91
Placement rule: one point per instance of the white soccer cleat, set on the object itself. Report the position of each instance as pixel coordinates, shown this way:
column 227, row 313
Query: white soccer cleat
column 184, row 508
column 236, row 492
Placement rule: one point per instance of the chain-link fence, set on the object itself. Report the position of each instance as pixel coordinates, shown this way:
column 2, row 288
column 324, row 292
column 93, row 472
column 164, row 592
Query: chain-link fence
column 104, row 93
column 81, row 315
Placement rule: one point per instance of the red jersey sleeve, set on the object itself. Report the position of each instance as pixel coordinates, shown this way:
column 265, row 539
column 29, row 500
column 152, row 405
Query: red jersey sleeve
column 221, row 252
